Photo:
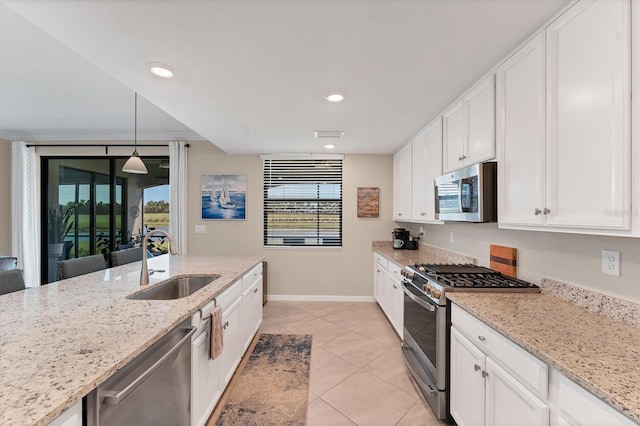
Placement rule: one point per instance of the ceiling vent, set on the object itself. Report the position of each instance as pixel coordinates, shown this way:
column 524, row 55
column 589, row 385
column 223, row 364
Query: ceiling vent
column 331, row 134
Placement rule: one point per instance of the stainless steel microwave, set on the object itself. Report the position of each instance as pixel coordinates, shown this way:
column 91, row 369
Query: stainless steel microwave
column 468, row 195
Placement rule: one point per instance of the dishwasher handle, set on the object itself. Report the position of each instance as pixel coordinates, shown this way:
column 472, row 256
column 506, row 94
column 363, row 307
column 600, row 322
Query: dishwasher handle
column 113, row 397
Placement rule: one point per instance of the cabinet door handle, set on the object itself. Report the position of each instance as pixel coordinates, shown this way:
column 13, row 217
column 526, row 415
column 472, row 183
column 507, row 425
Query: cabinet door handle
column 255, row 291
column 546, row 211
column 395, row 287
column 399, row 214
column 226, row 324
column 476, row 367
column 482, row 338
column 537, row 211
column 485, row 374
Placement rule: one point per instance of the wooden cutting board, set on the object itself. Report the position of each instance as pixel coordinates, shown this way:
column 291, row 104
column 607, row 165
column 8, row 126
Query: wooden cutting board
column 504, row 259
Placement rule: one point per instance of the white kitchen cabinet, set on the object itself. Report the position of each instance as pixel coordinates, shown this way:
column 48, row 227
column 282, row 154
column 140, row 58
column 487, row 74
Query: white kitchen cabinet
column 205, row 386
column 402, row 184
column 493, row 381
column 468, row 127
column 508, row 402
column 467, row 390
column 567, row 89
column 232, row 353
column 588, row 105
column 72, row 416
column 426, row 166
column 250, row 307
column 520, row 95
column 387, row 288
column 573, row 405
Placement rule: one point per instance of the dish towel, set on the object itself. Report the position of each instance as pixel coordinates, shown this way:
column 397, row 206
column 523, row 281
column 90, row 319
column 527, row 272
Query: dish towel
column 216, row 346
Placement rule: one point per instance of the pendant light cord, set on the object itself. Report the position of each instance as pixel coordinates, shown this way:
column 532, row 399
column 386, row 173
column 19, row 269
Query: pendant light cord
column 135, row 125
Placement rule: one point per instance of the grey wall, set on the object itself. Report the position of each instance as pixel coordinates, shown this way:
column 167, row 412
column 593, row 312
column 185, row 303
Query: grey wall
column 575, row 259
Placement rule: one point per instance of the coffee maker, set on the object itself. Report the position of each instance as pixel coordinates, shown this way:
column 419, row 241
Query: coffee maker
column 400, row 238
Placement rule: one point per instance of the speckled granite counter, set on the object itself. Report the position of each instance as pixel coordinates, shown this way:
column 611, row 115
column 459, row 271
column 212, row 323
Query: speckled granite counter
column 426, row 254
column 59, row 341
column 597, row 352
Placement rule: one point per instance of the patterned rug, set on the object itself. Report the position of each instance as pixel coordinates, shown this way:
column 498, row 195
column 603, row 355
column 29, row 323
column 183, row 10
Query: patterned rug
column 273, row 388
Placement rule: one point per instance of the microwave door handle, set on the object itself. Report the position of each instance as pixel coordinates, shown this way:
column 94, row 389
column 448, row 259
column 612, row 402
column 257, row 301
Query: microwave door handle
column 460, row 196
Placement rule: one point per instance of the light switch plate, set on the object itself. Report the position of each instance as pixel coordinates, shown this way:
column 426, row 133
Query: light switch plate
column 201, row 229
column 611, row 262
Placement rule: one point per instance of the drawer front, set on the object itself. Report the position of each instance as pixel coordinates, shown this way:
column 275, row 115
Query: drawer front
column 394, row 271
column 532, row 372
column 225, row 298
column 250, row 277
column 380, row 260
column 576, row 404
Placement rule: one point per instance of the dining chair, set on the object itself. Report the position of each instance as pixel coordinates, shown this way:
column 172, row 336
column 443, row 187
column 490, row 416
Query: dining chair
column 7, row 263
column 122, row 257
column 12, row 280
column 80, row 266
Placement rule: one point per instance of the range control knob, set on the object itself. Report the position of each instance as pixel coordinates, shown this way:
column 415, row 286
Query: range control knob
column 437, row 293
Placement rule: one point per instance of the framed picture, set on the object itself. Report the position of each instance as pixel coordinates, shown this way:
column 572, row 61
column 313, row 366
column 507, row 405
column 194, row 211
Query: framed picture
column 368, row 202
column 224, row 197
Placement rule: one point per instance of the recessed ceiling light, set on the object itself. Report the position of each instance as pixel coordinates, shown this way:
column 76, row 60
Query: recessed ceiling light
column 335, row 97
column 160, row 70
column 329, row 146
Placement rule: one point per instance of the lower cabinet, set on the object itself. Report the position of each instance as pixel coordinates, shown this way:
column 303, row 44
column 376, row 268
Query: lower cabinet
column 493, row 381
column 71, row 417
column 241, row 318
column 387, row 290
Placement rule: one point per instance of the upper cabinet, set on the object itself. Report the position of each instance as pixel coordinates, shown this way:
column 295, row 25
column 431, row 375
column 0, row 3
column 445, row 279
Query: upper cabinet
column 402, row 184
column 563, row 129
column 426, row 166
column 468, row 135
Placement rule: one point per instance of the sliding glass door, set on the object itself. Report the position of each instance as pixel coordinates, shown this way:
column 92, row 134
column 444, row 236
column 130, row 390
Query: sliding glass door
column 89, row 206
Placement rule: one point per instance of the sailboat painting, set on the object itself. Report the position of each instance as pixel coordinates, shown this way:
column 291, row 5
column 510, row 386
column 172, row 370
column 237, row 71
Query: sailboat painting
column 224, row 197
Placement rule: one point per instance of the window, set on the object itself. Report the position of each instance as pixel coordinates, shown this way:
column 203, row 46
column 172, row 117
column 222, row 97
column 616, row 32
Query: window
column 302, row 201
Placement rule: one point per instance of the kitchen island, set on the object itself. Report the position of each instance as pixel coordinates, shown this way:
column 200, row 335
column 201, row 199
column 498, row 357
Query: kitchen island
column 61, row 340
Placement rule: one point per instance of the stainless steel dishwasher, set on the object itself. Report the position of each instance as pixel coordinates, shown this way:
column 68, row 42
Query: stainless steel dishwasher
column 153, row 389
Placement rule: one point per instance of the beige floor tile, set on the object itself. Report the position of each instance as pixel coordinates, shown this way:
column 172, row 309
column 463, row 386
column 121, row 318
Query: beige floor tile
column 312, row 397
column 356, row 349
column 270, row 327
column 379, row 330
column 351, row 319
column 367, row 400
column 274, row 306
column 322, row 330
column 390, row 367
column 327, row 370
column 290, row 317
column 322, row 414
column 420, row 415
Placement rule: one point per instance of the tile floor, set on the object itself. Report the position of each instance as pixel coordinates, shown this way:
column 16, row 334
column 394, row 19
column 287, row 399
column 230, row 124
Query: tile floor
column 358, row 375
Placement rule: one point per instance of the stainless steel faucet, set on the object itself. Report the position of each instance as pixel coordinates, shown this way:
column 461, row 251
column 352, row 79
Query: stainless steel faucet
column 144, row 274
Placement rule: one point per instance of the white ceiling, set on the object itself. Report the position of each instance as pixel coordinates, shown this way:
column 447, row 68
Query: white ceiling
column 250, row 75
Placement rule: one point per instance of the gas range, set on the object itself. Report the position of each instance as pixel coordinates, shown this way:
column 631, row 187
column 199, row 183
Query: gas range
column 435, row 280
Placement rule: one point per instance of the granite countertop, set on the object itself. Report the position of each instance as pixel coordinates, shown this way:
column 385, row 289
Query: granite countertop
column 61, row 340
column 599, row 353
column 426, row 254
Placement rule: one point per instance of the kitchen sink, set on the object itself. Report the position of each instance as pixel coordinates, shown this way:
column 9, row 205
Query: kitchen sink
column 175, row 288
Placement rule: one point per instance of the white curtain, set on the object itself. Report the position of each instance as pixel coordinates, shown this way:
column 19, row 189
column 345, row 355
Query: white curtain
column 24, row 217
column 179, row 199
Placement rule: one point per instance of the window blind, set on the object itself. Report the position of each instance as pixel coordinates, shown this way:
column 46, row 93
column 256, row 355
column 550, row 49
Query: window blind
column 302, row 202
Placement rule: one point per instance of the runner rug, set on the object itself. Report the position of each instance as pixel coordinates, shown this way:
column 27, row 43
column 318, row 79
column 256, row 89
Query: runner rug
column 273, row 388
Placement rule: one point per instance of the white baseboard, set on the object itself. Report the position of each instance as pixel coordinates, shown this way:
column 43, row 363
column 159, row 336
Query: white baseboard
column 315, row 298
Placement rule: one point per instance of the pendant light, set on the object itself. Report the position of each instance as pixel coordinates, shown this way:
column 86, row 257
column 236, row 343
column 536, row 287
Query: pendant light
column 134, row 164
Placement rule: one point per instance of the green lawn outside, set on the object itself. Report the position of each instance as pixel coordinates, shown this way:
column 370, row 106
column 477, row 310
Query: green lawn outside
column 156, row 220
column 301, row 221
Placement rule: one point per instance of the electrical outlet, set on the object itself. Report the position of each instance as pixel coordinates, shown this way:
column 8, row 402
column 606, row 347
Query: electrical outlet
column 451, row 237
column 422, row 230
column 611, row 262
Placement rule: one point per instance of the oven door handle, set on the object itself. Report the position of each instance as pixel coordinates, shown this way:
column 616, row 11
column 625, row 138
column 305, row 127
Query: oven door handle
column 428, row 306
column 430, row 388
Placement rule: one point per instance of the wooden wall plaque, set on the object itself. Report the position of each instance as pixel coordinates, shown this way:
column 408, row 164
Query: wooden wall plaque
column 368, row 202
